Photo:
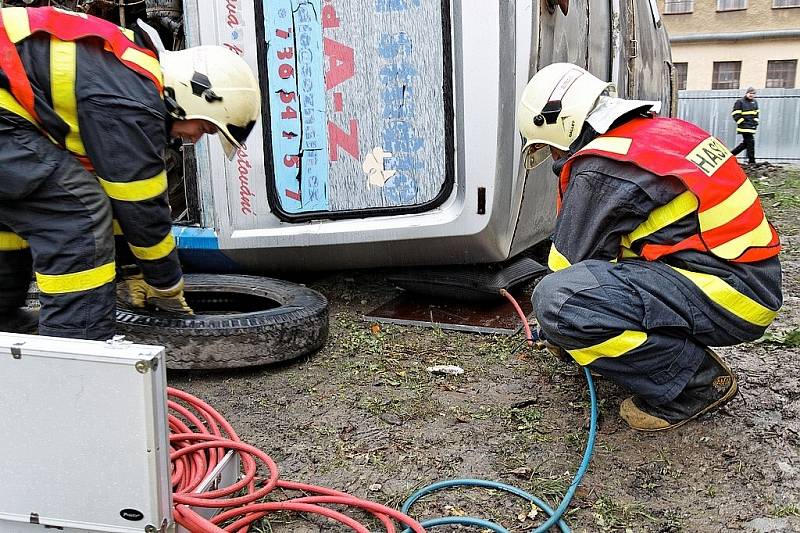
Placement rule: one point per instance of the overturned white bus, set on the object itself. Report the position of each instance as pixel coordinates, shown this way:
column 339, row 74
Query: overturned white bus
column 388, row 133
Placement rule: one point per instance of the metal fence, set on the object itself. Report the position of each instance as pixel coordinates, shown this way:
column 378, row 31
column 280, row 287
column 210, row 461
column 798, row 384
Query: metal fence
column 778, row 136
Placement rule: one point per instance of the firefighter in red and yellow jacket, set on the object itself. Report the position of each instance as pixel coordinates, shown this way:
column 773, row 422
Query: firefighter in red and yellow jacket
column 86, row 111
column 661, row 248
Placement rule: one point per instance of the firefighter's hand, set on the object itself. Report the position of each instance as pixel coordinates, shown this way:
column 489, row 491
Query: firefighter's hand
column 135, row 292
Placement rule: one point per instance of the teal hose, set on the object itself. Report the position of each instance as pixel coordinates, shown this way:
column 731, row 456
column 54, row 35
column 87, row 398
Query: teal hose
column 555, row 515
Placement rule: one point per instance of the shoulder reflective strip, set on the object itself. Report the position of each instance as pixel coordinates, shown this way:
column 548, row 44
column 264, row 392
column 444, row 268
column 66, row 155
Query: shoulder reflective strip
column 614, row 347
column 615, row 145
column 135, row 191
column 556, row 261
column 145, row 61
column 745, row 130
column 761, row 236
column 733, row 301
column 63, row 64
column 77, row 281
column 9, row 103
column 158, row 251
column 116, row 227
column 15, row 19
column 663, row 216
column 733, row 206
column 11, row 241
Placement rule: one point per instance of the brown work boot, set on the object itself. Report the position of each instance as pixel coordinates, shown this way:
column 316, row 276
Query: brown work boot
column 20, row 321
column 711, row 386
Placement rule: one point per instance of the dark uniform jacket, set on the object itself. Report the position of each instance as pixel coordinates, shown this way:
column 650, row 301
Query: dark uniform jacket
column 122, row 124
column 606, row 200
column 745, row 113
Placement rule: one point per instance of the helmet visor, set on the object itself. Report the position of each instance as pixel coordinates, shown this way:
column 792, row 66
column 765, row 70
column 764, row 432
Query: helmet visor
column 535, row 154
column 232, row 137
column 239, row 134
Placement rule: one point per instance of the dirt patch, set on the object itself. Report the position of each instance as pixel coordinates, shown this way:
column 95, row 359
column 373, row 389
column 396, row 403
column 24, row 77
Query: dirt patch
column 364, row 416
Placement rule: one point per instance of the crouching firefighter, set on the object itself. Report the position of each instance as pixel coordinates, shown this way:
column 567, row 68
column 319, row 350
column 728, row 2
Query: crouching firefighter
column 86, row 111
column 661, row 248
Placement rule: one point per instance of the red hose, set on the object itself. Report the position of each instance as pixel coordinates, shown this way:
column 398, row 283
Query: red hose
column 528, row 334
column 200, row 437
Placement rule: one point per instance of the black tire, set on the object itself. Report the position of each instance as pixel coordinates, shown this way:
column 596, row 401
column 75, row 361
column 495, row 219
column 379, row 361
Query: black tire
column 295, row 325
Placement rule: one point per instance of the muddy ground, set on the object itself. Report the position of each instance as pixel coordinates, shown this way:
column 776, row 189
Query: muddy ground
column 364, row 416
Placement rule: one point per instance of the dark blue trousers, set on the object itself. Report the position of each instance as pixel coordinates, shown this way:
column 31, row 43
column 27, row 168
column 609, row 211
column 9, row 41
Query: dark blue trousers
column 593, row 301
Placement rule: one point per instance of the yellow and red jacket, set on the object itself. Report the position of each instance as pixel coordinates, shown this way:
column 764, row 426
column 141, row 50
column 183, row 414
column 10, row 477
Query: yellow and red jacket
column 731, row 223
column 95, row 90
column 17, row 24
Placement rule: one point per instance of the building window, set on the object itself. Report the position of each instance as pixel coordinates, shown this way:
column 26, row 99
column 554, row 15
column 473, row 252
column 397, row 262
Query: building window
column 785, row 3
column 731, row 5
column 681, row 70
column 781, row 74
column 674, row 7
column 726, row 74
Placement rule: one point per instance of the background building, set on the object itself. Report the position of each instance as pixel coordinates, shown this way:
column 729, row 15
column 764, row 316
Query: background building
column 733, row 44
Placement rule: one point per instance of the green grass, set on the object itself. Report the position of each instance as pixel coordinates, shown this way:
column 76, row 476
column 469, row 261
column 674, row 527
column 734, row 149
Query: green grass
column 785, row 511
column 611, row 515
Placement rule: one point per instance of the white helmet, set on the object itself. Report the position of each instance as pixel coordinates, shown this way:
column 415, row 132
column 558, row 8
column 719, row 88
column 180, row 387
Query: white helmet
column 214, row 84
column 554, row 107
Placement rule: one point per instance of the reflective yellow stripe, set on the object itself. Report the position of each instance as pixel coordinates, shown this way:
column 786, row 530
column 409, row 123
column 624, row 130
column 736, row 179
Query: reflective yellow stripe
column 556, row 261
column 77, row 281
column 736, row 112
column 614, row 347
column 116, row 227
column 743, row 130
column 135, row 191
column 663, row 216
column 761, row 236
column 151, row 253
column 128, row 33
column 62, row 87
column 15, row 20
column 145, row 61
column 740, row 121
column 10, row 103
column 615, row 145
column 627, row 253
column 750, row 112
column 733, row 206
column 733, row 301
column 11, row 241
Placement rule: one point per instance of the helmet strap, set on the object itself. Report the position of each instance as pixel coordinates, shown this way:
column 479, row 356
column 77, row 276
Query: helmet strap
column 173, row 108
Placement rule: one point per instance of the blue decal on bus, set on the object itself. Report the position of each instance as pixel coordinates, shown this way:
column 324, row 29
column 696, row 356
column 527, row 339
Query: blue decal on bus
column 400, row 137
column 297, row 103
column 187, row 237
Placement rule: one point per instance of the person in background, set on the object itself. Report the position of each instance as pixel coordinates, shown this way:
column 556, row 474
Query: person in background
column 660, row 250
column 745, row 113
column 86, row 111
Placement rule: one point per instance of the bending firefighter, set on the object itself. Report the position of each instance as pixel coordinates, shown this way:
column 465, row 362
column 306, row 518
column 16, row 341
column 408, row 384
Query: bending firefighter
column 86, row 111
column 661, row 248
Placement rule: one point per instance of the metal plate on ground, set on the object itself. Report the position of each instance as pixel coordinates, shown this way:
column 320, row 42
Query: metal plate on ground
column 493, row 316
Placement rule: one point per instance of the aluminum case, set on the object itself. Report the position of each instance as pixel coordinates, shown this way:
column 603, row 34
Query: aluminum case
column 85, row 439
